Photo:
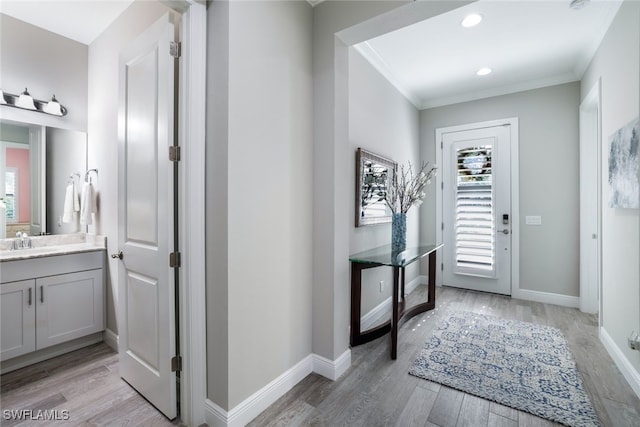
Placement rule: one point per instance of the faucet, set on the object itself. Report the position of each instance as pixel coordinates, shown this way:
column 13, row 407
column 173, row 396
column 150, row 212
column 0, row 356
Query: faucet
column 22, row 241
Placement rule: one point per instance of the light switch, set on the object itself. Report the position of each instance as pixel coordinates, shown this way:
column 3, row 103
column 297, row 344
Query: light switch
column 533, row 220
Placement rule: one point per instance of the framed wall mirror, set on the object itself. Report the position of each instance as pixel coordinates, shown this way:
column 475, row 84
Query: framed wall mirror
column 374, row 175
column 36, row 164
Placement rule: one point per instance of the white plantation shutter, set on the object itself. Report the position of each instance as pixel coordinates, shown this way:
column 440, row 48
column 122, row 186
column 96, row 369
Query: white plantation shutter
column 474, row 215
column 11, row 184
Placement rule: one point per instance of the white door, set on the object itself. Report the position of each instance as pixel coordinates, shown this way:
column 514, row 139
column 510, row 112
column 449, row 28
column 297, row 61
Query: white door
column 477, row 209
column 590, row 201
column 146, row 284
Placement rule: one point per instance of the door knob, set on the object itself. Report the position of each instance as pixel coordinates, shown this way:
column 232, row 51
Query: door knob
column 119, row 255
column 505, row 231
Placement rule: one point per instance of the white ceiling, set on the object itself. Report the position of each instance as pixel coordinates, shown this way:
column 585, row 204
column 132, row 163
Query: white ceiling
column 79, row 20
column 528, row 44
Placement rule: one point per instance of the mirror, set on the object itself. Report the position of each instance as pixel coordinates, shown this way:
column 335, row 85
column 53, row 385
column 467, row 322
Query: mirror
column 36, row 163
column 374, row 174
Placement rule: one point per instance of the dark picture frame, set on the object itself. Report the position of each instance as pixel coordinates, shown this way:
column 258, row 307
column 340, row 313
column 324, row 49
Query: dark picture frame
column 374, row 175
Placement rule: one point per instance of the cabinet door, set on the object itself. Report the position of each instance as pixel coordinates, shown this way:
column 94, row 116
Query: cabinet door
column 69, row 306
column 18, row 325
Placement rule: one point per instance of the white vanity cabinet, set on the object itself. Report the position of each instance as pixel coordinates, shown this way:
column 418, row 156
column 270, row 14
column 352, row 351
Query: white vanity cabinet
column 18, row 322
column 50, row 300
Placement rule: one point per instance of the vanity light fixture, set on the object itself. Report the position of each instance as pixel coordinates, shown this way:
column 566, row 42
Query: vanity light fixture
column 27, row 102
column 484, row 71
column 471, row 20
column 53, row 107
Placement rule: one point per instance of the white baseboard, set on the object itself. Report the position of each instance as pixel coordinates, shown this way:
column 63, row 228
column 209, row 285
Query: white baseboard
column 547, row 298
column 628, row 371
column 369, row 320
column 259, row 401
column 331, row 369
column 111, row 339
column 250, row 408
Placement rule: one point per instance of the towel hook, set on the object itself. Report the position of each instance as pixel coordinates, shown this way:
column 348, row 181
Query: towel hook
column 87, row 176
column 71, row 179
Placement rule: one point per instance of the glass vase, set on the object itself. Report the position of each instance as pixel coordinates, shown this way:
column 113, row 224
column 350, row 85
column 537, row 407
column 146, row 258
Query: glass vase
column 398, row 235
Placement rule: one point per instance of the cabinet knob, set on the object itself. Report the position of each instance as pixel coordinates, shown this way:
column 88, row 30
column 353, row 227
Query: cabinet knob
column 119, row 255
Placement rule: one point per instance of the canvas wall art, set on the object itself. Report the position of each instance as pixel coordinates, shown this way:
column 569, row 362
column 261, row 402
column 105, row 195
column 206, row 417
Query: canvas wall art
column 623, row 166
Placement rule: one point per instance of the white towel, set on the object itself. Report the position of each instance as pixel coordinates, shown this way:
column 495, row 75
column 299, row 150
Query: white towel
column 88, row 204
column 76, row 198
column 67, row 212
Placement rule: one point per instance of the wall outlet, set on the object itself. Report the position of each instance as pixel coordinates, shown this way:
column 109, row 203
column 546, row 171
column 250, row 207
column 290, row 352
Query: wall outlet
column 634, row 341
column 533, row 220
column 381, row 285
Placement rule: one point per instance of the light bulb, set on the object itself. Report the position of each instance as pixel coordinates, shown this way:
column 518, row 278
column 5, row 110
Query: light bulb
column 53, row 107
column 25, row 101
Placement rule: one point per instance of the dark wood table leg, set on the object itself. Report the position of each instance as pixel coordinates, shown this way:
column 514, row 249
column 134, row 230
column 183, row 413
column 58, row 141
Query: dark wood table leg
column 432, row 278
column 395, row 317
column 356, row 295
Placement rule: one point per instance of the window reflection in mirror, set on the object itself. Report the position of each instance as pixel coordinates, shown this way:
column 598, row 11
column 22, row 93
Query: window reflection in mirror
column 373, row 176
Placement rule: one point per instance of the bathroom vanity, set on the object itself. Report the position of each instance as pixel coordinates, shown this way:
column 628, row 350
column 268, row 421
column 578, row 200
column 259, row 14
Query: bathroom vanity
column 52, row 298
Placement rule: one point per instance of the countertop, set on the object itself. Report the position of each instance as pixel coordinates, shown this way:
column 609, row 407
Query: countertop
column 44, row 246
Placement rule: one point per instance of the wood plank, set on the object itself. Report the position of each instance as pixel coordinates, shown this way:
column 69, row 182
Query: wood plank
column 496, row 420
column 473, row 412
column 503, row 411
column 418, row 407
column 446, row 407
column 374, row 391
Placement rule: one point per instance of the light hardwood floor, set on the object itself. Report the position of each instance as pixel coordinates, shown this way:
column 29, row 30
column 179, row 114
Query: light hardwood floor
column 86, row 384
column 375, row 391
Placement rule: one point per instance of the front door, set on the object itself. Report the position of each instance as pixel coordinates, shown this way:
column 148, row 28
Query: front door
column 146, row 283
column 477, row 209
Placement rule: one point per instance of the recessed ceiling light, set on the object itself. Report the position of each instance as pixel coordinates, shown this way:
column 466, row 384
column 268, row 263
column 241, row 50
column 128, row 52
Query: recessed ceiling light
column 484, row 71
column 578, row 4
column 471, row 20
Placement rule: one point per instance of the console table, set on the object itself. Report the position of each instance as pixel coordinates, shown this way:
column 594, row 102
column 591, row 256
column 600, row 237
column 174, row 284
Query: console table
column 379, row 257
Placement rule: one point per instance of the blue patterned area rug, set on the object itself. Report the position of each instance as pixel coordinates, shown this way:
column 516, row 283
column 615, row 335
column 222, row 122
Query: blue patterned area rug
column 525, row 366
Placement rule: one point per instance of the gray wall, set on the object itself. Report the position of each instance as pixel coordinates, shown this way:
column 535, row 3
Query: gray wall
column 549, row 187
column 381, row 120
column 264, row 215
column 617, row 64
column 103, row 127
column 336, row 25
column 217, row 203
column 46, row 64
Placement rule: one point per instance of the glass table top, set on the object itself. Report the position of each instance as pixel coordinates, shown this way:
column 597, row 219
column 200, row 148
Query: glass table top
column 382, row 255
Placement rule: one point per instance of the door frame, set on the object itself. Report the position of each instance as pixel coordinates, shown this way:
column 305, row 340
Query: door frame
column 192, row 121
column 591, row 299
column 191, row 225
column 515, row 201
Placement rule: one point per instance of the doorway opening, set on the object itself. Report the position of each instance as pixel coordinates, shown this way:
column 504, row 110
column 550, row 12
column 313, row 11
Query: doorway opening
column 590, row 203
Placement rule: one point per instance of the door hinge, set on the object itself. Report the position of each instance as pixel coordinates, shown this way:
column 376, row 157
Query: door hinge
column 175, row 49
column 442, row 266
column 174, row 259
column 441, row 144
column 174, row 153
column 176, row 363
column 442, row 185
column 442, row 226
